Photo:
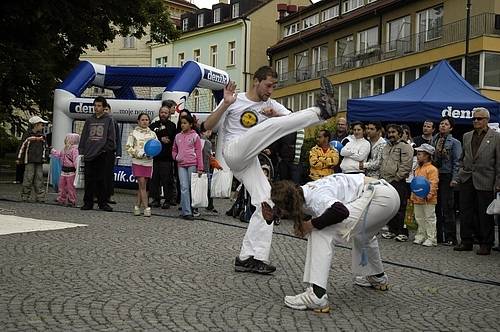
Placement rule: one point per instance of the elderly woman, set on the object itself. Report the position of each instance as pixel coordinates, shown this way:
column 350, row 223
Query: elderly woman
column 337, row 209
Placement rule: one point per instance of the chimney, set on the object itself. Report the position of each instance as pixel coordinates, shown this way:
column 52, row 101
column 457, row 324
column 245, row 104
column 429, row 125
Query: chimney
column 282, row 9
column 291, row 9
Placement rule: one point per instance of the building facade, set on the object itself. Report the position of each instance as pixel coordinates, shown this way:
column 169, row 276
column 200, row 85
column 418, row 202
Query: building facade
column 368, row 47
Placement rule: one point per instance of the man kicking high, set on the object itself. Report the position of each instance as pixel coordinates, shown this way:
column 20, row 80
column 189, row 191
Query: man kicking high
column 249, row 122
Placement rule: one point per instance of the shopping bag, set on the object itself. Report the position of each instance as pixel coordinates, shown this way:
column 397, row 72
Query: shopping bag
column 410, row 221
column 55, row 172
column 199, row 190
column 494, row 207
column 222, row 181
column 79, row 181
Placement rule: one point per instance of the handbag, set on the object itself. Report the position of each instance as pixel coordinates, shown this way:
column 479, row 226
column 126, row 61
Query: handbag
column 79, row 181
column 222, row 181
column 199, row 190
column 494, row 207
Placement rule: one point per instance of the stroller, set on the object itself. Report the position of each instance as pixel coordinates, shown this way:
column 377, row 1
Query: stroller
column 242, row 207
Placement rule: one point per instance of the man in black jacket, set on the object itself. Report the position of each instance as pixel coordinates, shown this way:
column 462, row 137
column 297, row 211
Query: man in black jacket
column 97, row 142
column 163, row 163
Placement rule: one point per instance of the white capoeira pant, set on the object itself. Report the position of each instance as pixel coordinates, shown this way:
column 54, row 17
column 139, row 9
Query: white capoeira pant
column 380, row 202
column 241, row 155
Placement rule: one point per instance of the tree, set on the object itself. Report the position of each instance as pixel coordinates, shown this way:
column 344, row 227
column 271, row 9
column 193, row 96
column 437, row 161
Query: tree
column 43, row 40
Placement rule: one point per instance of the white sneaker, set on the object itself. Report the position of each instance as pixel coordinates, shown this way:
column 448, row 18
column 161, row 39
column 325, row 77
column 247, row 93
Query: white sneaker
column 418, row 240
column 429, row 243
column 308, row 300
column 137, row 211
column 147, row 212
column 380, row 283
column 401, row 238
column 196, row 213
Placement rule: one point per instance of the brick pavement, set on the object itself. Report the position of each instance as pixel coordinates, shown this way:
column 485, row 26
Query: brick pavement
column 124, row 273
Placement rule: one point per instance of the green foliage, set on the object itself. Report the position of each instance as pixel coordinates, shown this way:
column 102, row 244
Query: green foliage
column 8, row 144
column 43, row 40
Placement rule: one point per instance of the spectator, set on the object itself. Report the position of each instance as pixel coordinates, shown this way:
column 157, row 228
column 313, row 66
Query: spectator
column 372, row 165
column 163, row 164
column 112, row 158
column 427, row 132
column 288, row 150
column 355, row 151
column 425, row 208
column 447, row 160
column 187, row 153
column 397, row 159
column 479, row 178
column 142, row 164
column 69, row 158
column 98, row 141
column 322, row 158
column 342, row 131
column 32, row 153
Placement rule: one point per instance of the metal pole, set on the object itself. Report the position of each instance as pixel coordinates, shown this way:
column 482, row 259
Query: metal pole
column 467, row 37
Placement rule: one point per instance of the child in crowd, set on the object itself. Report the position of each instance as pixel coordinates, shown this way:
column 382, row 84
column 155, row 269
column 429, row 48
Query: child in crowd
column 33, row 153
column 186, row 151
column 425, row 208
column 142, row 164
column 208, row 164
column 69, row 158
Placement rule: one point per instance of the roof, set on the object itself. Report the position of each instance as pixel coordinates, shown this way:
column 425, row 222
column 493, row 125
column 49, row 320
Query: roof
column 183, row 3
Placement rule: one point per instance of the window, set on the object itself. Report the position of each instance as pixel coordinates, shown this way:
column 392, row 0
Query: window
column 389, row 82
column 410, row 76
column 473, row 70
column 302, row 66
column 291, row 29
column 457, row 65
column 180, row 59
column 329, row 13
column 344, row 50
column 196, row 102
column 355, row 89
column 185, row 24
column 217, row 15
column 377, row 85
column 281, row 66
column 161, row 62
column 310, row 99
column 349, row 5
column 129, row 42
column 343, row 96
column 398, row 34
column 430, row 23
column 231, row 48
column 366, row 87
column 196, row 55
column 367, row 40
column 213, row 56
column 310, row 21
column 236, row 10
column 320, row 60
column 423, row 70
column 491, row 69
column 200, row 20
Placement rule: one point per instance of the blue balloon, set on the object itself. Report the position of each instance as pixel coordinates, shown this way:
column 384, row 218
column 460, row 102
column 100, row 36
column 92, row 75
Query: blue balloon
column 420, row 186
column 152, row 147
column 336, row 145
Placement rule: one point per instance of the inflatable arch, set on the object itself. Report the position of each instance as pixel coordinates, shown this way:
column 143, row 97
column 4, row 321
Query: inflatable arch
column 178, row 83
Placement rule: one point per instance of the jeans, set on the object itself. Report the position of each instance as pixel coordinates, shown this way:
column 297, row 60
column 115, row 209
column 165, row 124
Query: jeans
column 185, row 184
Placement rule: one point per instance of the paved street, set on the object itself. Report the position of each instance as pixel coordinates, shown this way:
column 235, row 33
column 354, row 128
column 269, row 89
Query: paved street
column 124, row 273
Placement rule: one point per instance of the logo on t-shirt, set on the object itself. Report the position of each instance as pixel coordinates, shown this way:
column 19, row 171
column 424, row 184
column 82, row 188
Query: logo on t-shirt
column 248, row 119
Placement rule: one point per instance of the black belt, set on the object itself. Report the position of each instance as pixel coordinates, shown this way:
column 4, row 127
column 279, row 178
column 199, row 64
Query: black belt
column 68, row 169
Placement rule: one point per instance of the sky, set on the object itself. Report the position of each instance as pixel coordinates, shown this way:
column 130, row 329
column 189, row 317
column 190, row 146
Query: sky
column 209, row 3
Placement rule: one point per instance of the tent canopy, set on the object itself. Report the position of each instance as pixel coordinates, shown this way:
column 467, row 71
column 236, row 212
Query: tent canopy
column 442, row 91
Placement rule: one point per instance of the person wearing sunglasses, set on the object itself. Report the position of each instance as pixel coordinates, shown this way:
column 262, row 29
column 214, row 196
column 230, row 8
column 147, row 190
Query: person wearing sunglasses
column 479, row 179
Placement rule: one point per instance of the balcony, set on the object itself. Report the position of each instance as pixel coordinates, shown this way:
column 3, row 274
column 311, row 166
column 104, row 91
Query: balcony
column 482, row 24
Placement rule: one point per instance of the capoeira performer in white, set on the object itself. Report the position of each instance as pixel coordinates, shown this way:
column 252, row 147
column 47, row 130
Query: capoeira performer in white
column 249, row 122
column 344, row 208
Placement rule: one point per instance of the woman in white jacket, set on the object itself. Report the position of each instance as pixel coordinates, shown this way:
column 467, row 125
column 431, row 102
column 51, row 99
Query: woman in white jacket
column 142, row 164
column 343, row 209
column 357, row 150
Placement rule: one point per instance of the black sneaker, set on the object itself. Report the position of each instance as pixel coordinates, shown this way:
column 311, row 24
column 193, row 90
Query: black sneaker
column 253, row 265
column 188, row 217
column 243, row 265
column 326, row 101
column 106, row 208
column 86, row 207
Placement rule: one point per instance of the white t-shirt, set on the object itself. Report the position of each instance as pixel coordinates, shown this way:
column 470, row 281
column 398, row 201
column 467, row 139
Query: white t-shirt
column 243, row 114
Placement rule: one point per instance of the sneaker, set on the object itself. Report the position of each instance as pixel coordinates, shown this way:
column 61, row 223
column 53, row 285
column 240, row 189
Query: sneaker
column 137, row 211
column 86, row 207
column 106, row 207
column 253, row 265
column 196, row 213
column 429, row 243
column 418, row 240
column 308, row 300
column 147, row 212
column 326, row 101
column 379, row 283
column 388, row 235
column 401, row 238
column 188, row 217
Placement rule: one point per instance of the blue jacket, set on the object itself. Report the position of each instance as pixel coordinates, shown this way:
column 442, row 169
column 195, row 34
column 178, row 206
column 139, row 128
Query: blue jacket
column 448, row 161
